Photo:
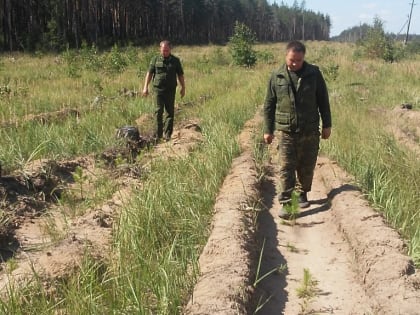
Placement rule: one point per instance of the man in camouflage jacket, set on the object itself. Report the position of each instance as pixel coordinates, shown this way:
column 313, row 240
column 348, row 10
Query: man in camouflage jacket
column 296, row 100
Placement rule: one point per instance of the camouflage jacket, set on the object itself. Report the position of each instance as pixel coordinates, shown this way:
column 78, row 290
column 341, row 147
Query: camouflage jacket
column 296, row 108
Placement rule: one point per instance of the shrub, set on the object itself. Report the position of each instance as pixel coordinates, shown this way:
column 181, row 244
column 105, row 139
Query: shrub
column 71, row 59
column 376, row 44
column 241, row 45
column 266, row 56
column 91, row 58
column 116, row 61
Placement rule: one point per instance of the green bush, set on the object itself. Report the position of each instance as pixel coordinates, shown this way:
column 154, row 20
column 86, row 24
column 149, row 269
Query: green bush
column 91, row 58
column 116, row 62
column 241, row 45
column 265, row 56
column 71, row 59
column 376, row 44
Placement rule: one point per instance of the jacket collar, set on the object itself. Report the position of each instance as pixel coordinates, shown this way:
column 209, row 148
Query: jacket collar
column 307, row 70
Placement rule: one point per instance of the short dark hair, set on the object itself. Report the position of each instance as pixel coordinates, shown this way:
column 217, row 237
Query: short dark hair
column 296, row 46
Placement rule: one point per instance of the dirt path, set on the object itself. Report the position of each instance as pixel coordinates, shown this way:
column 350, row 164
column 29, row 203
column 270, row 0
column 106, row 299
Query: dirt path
column 313, row 243
column 354, row 263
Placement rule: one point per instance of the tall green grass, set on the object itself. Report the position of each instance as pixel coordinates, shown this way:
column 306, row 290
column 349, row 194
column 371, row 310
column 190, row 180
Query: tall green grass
column 362, row 143
column 152, row 265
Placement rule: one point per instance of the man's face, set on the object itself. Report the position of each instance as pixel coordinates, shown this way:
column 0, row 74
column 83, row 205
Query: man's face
column 294, row 60
column 165, row 50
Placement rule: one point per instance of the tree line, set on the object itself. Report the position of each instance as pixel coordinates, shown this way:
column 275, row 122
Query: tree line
column 357, row 33
column 30, row 25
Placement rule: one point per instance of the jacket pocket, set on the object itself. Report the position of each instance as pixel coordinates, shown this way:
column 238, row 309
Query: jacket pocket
column 160, row 69
column 282, row 87
column 283, row 118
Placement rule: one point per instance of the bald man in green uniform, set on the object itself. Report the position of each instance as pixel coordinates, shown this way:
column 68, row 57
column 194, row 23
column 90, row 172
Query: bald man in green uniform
column 164, row 70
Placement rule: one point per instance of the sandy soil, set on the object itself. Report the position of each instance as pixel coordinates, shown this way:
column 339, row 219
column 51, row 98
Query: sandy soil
column 46, row 238
column 353, row 262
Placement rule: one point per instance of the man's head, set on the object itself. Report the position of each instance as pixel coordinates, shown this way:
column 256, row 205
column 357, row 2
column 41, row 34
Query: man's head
column 295, row 55
column 165, row 48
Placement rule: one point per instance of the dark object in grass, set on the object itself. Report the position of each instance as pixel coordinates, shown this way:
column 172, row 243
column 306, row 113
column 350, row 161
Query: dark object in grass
column 406, row 106
column 130, row 133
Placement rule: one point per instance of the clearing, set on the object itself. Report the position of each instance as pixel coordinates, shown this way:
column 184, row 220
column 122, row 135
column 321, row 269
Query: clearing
column 336, row 257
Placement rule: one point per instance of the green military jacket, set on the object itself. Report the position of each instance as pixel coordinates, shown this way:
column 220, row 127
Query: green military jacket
column 165, row 71
column 296, row 108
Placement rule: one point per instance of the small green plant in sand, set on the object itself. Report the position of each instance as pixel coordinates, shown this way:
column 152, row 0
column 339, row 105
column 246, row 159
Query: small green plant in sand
column 308, row 287
column 293, row 208
column 292, row 248
column 80, row 178
column 307, row 290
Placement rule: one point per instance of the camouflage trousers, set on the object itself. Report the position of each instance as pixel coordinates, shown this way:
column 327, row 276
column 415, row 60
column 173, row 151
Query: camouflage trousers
column 297, row 157
column 165, row 101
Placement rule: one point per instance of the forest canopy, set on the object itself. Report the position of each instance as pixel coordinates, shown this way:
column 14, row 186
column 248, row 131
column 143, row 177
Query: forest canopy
column 54, row 25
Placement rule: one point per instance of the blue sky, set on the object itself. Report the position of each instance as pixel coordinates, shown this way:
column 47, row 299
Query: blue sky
column 345, row 14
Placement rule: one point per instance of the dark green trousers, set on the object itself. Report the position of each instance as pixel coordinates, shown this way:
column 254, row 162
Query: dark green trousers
column 298, row 153
column 165, row 102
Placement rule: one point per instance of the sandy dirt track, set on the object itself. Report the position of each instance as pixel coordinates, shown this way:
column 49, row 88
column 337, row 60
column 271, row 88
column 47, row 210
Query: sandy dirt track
column 357, row 264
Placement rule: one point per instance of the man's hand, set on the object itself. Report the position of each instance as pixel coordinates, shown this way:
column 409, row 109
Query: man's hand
column 268, row 138
column 326, row 133
column 147, row 80
column 182, row 91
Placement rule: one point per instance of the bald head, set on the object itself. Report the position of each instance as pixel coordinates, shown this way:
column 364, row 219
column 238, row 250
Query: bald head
column 165, row 48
